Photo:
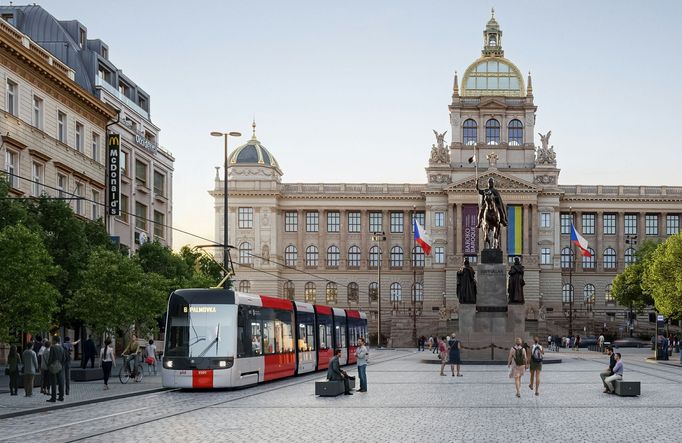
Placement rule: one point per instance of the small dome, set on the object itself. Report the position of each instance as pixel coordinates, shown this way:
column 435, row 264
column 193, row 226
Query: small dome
column 252, row 153
column 493, row 76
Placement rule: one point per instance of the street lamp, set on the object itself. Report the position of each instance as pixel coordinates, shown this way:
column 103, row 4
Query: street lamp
column 225, row 251
column 632, row 241
column 379, row 237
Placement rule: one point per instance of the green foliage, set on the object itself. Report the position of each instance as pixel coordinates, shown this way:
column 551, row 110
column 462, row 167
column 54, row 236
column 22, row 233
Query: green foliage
column 663, row 277
column 627, row 287
column 202, row 264
column 154, row 257
column 28, row 300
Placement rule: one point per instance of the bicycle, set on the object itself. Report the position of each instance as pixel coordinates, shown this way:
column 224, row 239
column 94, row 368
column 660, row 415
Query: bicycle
column 125, row 375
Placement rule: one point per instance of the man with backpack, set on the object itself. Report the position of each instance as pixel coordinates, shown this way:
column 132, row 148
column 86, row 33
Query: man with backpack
column 518, row 362
column 536, row 356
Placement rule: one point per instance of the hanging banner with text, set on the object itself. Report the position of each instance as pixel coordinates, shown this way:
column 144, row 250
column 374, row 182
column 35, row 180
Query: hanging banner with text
column 514, row 230
column 469, row 229
column 113, row 174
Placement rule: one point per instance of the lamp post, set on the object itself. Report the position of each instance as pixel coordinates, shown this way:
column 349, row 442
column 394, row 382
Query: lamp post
column 225, row 135
column 378, row 237
column 632, row 241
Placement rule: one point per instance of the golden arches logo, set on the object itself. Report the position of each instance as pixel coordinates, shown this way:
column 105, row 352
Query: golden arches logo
column 114, row 140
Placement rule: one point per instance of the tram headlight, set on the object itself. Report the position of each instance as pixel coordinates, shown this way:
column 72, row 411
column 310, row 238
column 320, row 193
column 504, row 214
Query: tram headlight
column 169, row 363
column 222, row 363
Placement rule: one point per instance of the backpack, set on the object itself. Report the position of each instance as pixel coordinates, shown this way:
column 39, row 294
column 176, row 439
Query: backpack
column 519, row 357
column 536, row 356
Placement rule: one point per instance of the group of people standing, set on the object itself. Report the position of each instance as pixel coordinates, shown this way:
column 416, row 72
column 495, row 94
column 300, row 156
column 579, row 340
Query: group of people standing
column 334, row 371
column 448, row 352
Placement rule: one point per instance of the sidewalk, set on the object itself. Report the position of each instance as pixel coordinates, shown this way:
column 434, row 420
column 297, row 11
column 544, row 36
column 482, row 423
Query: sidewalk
column 80, row 393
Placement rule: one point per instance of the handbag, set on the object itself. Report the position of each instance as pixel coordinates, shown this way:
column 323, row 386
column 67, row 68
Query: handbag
column 55, row 367
column 149, row 360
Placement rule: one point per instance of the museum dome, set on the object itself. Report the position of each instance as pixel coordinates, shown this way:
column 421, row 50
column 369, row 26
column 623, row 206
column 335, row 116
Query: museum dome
column 252, row 153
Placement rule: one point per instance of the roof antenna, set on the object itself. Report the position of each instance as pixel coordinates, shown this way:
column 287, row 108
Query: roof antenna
column 253, row 127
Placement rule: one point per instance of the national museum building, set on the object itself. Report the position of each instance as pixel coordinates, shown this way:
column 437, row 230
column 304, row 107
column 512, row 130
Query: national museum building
column 317, row 242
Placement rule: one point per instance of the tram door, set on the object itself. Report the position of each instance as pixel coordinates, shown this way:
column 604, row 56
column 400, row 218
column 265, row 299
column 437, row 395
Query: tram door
column 341, row 334
column 325, row 336
column 306, row 357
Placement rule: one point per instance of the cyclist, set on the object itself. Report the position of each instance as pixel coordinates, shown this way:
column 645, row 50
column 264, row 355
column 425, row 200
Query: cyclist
column 131, row 353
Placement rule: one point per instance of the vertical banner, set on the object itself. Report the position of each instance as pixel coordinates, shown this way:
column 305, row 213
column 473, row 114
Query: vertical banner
column 469, row 230
column 515, row 230
column 113, row 174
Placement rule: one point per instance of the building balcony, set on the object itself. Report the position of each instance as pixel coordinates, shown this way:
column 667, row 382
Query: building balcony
column 100, row 83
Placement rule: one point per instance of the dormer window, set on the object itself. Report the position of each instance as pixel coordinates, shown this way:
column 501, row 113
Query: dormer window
column 104, row 52
column 82, row 37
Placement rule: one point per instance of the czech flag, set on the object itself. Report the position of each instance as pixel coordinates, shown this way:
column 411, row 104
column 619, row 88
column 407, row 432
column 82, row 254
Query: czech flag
column 580, row 242
column 421, row 238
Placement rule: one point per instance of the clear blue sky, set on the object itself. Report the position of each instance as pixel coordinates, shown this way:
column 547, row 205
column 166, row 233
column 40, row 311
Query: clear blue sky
column 350, row 91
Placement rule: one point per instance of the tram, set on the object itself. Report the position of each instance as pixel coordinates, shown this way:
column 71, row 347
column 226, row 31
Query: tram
column 219, row 338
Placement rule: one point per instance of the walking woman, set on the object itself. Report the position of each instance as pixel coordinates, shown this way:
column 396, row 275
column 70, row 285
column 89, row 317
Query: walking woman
column 44, row 355
column 443, row 353
column 13, row 370
column 517, row 362
column 454, row 359
column 107, row 359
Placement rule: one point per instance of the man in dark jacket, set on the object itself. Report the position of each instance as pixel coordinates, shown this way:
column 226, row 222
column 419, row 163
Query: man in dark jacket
column 56, row 359
column 609, row 371
column 89, row 353
column 335, row 373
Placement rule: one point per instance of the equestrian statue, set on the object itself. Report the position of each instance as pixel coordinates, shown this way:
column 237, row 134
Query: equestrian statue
column 492, row 214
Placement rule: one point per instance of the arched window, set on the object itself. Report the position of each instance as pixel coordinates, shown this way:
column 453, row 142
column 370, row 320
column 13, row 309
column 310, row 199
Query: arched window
column 515, row 128
column 609, row 258
column 418, row 292
column 567, row 293
column 396, row 257
column 630, row 256
column 608, row 296
column 588, row 294
column 589, row 262
column 374, row 257
column 244, row 286
column 492, row 132
column 353, row 292
column 373, row 292
column 566, row 258
column 289, row 290
column 470, row 130
column 310, row 292
column 396, row 292
column 311, row 255
column 418, row 257
column 245, row 256
column 331, row 292
column 290, row 255
column 333, row 256
column 353, row 257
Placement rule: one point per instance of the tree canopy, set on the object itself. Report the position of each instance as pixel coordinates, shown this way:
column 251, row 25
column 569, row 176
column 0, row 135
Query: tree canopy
column 663, row 277
column 627, row 286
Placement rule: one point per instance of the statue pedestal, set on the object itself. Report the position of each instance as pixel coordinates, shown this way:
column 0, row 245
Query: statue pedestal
column 492, row 282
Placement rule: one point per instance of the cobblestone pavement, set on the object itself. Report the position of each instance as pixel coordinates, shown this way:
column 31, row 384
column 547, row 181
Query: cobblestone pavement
column 407, row 400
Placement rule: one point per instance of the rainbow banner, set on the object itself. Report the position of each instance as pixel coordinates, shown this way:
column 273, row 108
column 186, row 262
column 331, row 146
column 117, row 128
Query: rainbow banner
column 514, row 230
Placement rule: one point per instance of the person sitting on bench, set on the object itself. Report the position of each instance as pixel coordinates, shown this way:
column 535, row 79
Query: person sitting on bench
column 336, row 373
column 617, row 374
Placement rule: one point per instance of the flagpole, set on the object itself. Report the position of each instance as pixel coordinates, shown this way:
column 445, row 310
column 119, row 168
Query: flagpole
column 414, row 278
column 570, row 279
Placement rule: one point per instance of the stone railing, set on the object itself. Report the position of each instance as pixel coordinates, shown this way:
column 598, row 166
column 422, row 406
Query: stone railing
column 622, row 191
column 353, row 188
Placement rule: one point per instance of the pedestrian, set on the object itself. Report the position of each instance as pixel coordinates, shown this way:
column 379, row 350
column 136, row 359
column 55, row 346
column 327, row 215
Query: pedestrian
column 431, row 343
column 334, row 372
column 576, row 346
column 43, row 355
column 89, row 353
column 454, row 347
column 55, row 366
column 549, row 342
column 13, row 360
column 107, row 361
column 600, row 343
column 435, row 344
column 609, row 371
column 150, row 359
column 617, row 374
column 68, row 349
column 30, row 360
column 37, row 345
column 362, row 353
column 442, row 354
column 131, row 352
column 536, row 356
column 517, row 363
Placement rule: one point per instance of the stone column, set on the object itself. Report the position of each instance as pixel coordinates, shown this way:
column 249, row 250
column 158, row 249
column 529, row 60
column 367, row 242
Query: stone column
column 526, row 229
column 620, row 241
column 534, row 229
column 458, row 232
column 451, row 230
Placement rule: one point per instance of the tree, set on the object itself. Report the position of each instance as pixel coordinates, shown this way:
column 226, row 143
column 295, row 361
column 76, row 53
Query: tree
column 202, row 264
column 27, row 298
column 663, row 279
column 627, row 286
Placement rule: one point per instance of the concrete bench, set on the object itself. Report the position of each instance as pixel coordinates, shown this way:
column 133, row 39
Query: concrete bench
column 87, row 374
column 627, row 388
column 332, row 388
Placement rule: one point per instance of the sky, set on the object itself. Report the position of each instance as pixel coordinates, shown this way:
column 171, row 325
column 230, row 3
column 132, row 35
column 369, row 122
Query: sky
column 350, row 91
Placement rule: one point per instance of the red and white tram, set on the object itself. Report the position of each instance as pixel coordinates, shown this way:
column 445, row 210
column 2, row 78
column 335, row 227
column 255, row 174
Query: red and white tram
column 219, row 338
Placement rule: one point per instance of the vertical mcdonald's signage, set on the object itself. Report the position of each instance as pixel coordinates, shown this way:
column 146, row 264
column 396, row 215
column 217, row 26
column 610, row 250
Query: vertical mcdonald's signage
column 470, row 231
column 515, row 230
column 113, row 174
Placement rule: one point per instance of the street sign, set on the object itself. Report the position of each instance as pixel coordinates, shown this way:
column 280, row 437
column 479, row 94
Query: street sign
column 660, row 317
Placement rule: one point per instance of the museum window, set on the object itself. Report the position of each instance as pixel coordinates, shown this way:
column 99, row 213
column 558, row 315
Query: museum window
column 567, row 293
column 333, row 221
column 439, row 255
column 439, row 219
column 515, row 129
column 353, row 292
column 61, row 127
column 373, row 292
column 651, row 224
column 289, row 290
column 354, row 257
column 420, row 217
column 545, row 220
column 469, row 132
column 473, row 259
column 37, row 112
column 630, row 224
column 290, row 255
column 608, row 295
column 589, row 294
column 588, row 221
column 375, row 222
column 566, row 221
column 38, row 170
column 630, row 257
column 396, row 292
column 374, row 257
column 609, row 222
column 290, row 221
column 609, row 258
column 590, row 261
column 11, row 167
column 492, row 132
column 244, row 286
column 672, row 224
column 310, row 292
column 354, row 222
column 333, row 256
column 418, row 292
column 331, row 293
column 12, row 98
column 79, row 137
column 140, row 216
column 312, row 221
column 396, row 257
column 418, row 257
column 311, row 256
column 566, row 258
column 397, row 222
column 245, row 257
column 545, row 256
column 245, row 218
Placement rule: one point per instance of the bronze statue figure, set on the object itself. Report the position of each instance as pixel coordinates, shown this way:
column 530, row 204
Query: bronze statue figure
column 492, row 214
column 466, row 284
column 516, row 282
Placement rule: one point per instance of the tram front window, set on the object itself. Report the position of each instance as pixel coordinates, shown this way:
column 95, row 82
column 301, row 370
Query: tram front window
column 201, row 331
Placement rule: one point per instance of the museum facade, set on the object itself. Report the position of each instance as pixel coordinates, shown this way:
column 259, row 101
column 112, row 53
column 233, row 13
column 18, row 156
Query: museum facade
column 351, row 245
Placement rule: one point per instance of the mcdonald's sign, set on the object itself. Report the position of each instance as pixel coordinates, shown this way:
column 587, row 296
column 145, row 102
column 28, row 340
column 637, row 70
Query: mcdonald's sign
column 113, row 174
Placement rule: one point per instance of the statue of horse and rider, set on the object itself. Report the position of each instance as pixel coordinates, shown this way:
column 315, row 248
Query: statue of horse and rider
column 492, row 214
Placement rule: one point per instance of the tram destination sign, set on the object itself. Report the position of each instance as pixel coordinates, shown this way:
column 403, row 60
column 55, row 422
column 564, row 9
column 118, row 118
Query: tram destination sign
column 113, row 174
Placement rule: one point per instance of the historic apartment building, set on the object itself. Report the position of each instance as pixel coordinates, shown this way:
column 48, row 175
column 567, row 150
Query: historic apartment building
column 317, row 241
column 147, row 168
column 52, row 129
